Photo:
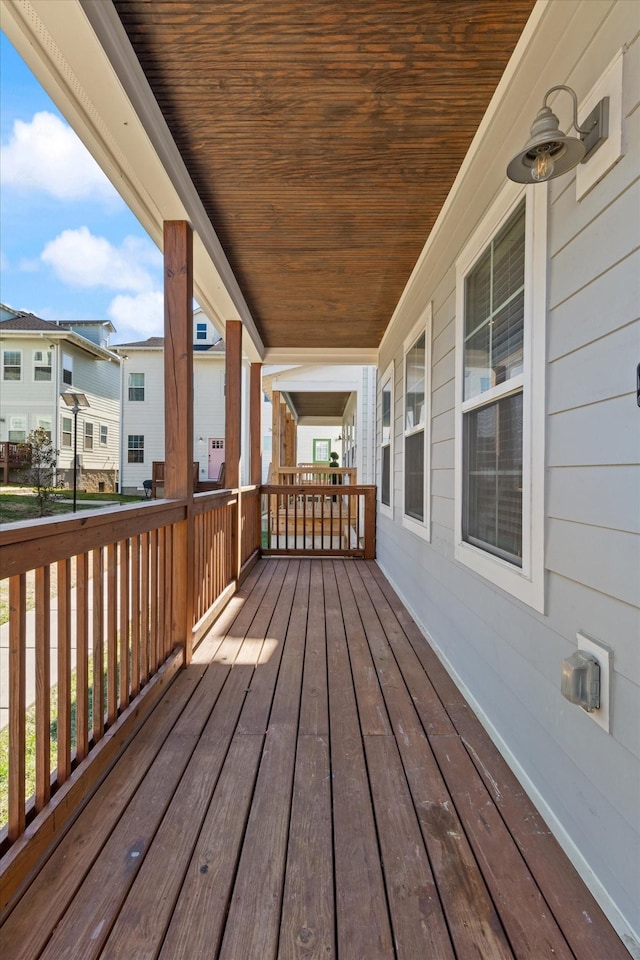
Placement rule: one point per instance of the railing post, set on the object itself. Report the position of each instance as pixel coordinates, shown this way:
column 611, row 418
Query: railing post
column 178, row 416
column 233, row 425
column 255, row 401
column 370, row 524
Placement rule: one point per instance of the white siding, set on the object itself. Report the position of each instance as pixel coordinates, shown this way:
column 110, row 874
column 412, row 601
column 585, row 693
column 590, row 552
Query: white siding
column 506, row 655
column 146, row 417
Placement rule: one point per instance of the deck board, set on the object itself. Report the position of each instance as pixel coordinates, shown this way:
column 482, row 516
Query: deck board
column 312, row 786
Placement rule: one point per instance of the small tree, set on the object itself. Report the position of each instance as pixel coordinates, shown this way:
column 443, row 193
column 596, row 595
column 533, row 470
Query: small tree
column 41, row 472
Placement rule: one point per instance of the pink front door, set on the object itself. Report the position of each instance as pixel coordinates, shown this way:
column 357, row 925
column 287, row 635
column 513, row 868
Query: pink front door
column 216, row 457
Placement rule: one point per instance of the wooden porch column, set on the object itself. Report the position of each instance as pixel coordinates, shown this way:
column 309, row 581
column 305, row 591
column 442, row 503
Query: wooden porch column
column 178, row 418
column 255, row 401
column 275, row 436
column 233, row 423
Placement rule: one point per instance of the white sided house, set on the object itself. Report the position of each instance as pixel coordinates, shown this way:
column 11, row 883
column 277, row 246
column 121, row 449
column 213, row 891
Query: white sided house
column 41, row 360
column 143, row 405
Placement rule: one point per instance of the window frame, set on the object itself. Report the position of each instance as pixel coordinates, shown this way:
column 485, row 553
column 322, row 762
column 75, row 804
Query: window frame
column 67, row 368
column 19, row 429
column 130, row 387
column 69, row 431
column 526, row 583
column 41, row 365
column 137, row 449
column 19, row 365
column 424, row 326
column 104, row 435
column 87, row 435
column 46, row 424
column 388, row 377
column 201, row 331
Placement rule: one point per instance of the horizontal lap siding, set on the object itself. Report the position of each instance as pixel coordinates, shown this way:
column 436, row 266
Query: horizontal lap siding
column 507, row 655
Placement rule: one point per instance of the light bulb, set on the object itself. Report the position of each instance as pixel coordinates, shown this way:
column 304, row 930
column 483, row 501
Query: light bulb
column 543, row 168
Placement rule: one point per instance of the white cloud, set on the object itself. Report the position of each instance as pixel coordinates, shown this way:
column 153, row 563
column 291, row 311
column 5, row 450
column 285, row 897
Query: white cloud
column 139, row 317
column 46, row 155
column 81, row 259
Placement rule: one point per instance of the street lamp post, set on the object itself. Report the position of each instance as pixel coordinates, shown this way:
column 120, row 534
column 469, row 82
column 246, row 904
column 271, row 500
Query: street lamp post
column 76, row 401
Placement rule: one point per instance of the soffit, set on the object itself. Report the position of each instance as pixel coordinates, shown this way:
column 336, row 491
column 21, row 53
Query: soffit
column 322, row 138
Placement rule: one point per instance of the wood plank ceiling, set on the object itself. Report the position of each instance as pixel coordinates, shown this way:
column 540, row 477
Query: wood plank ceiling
column 323, row 137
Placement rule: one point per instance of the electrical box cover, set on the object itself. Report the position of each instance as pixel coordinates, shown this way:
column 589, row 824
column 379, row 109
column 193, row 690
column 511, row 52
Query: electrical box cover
column 581, row 680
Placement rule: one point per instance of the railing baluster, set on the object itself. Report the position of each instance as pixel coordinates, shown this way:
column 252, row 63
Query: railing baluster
column 97, row 588
column 64, row 670
column 135, row 616
column 123, row 553
column 17, row 704
column 144, row 608
column 82, row 656
column 112, row 634
column 43, row 686
column 153, row 602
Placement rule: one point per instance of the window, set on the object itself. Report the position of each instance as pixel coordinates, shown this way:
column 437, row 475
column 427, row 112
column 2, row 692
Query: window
column 386, row 443
column 88, row 435
column 66, row 431
column 67, row 369
column 12, row 365
column 135, row 447
column 42, row 361
column 136, row 386
column 201, row 331
column 321, row 451
column 17, row 429
column 44, row 423
column 104, row 435
column 417, row 419
column 499, row 433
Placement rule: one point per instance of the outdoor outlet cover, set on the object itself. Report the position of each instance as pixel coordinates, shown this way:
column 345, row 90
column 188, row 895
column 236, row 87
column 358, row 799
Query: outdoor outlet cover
column 603, row 655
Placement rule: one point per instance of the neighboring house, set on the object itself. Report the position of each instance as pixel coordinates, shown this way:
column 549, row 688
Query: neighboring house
column 143, row 405
column 343, row 400
column 41, row 360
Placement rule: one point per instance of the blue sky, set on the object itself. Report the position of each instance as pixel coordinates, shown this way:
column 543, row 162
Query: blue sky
column 69, row 246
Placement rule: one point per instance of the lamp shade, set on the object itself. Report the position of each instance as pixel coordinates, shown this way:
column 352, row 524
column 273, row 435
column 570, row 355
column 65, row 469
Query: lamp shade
column 547, row 139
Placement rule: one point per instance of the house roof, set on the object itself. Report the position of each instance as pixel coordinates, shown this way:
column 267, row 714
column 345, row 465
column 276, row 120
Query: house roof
column 157, row 343
column 27, row 324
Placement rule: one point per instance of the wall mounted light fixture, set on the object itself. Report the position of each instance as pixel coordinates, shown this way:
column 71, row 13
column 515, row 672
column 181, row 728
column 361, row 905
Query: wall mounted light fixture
column 549, row 152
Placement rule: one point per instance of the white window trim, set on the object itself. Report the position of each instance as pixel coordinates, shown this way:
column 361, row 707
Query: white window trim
column 387, row 377
column 88, row 424
column 67, row 366
column 525, row 583
column 424, row 325
column 45, row 354
column 21, row 377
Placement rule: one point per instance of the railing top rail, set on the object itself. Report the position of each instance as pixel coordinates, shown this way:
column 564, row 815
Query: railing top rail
column 323, row 489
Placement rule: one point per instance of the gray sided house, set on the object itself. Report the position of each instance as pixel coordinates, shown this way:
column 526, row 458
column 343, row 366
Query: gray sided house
column 509, row 441
column 505, row 342
column 42, row 360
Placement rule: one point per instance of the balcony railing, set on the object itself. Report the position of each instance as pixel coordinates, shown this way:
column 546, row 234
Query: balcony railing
column 95, row 630
column 12, row 457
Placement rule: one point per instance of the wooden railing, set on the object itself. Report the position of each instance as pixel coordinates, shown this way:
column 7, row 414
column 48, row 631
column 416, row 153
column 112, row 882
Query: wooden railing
column 314, row 473
column 12, row 456
column 250, row 524
column 95, row 634
column 93, row 641
column 317, row 520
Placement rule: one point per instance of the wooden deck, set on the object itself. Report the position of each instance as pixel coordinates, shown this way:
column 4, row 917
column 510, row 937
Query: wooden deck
column 312, row 786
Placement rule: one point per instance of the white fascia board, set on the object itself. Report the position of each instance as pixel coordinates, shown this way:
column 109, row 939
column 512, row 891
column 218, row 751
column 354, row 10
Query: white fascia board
column 320, row 422
column 81, row 55
column 353, row 356
column 349, row 384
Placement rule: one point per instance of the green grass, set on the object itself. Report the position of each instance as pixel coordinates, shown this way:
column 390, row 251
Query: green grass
column 24, row 506
column 30, row 742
